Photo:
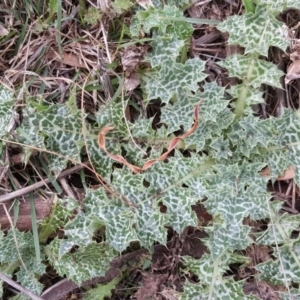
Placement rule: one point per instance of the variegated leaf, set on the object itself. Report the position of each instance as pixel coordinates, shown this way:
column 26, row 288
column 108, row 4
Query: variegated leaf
column 161, row 21
column 163, row 50
column 7, row 112
column 227, row 237
column 56, row 128
column 181, row 112
column 85, row 263
column 223, row 290
column 174, row 79
column 286, row 268
column 261, row 71
column 265, row 31
column 279, row 5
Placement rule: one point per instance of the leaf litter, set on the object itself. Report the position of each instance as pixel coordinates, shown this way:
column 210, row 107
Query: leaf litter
column 39, row 49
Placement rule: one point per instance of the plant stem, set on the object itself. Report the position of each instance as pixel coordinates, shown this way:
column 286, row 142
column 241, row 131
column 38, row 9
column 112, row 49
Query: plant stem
column 249, row 7
column 241, row 103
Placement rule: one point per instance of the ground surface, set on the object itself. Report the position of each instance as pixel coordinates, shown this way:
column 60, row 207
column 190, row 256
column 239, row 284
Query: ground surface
column 28, row 52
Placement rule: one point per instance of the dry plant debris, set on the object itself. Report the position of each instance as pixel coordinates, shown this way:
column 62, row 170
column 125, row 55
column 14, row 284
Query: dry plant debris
column 90, row 90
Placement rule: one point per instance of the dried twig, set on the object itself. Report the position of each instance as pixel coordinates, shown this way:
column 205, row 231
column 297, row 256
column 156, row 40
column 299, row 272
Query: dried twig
column 104, row 78
column 19, row 287
column 39, row 184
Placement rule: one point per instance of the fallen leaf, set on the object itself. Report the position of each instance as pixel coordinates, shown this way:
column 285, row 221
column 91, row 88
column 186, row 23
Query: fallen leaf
column 293, row 71
column 288, row 174
column 3, row 31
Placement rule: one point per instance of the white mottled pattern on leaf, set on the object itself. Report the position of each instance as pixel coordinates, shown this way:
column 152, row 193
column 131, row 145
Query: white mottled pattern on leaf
column 207, row 130
column 280, row 5
column 262, row 71
column 293, row 294
column 101, row 161
column 118, row 217
column 119, row 230
column 78, row 230
column 174, row 79
column 29, row 281
column 223, row 290
column 287, row 149
column 152, row 18
column 279, row 229
column 142, row 220
column 163, row 49
column 10, row 255
column 178, row 202
column 113, row 114
column 265, row 31
column 253, row 97
column 220, row 148
column 150, row 224
column 272, row 271
column 6, row 110
column 86, row 263
column 204, row 267
column 254, row 132
column 236, row 192
column 55, row 127
column 182, row 112
column 230, row 237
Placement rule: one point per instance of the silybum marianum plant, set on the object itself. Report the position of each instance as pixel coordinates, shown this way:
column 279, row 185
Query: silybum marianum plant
column 228, row 148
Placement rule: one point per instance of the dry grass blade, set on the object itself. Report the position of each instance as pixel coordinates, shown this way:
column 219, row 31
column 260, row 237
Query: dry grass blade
column 19, row 287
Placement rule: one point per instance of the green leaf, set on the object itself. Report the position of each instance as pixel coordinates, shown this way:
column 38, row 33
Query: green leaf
column 207, row 267
column 236, row 192
column 58, row 217
column 181, row 113
column 208, row 130
column 254, row 131
column 17, row 248
column 56, row 128
column 79, row 232
column 286, row 268
column 163, row 49
column 118, row 217
column 174, row 79
column 291, row 294
column 210, row 271
column 262, row 72
column 287, row 149
column 279, row 229
column 178, row 3
column 159, row 19
column 85, row 263
column 223, row 290
column 7, row 112
column 121, row 6
column 134, row 212
column 253, row 97
column 101, row 291
column 29, row 280
column 227, row 237
column 265, row 31
column 279, row 5
column 53, row 6
column 112, row 115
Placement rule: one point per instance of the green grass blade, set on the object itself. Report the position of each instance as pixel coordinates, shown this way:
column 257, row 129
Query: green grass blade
column 34, row 228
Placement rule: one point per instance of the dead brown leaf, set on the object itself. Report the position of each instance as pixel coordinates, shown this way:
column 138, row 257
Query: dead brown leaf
column 3, row 31
column 149, row 163
column 293, row 71
column 151, row 285
column 131, row 82
column 288, row 174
